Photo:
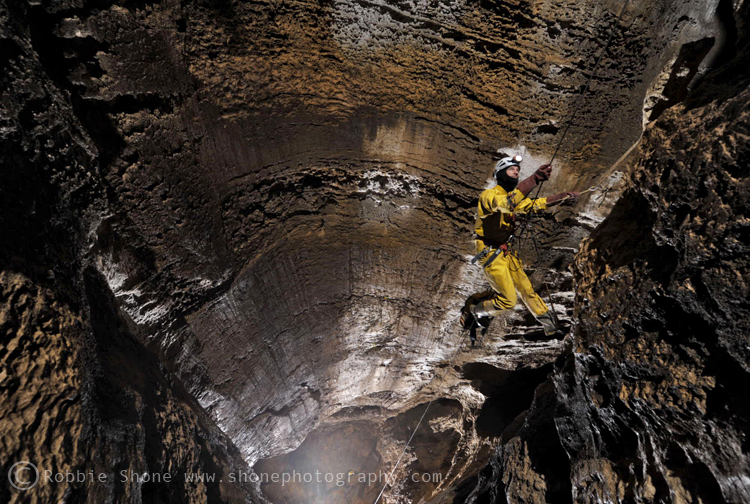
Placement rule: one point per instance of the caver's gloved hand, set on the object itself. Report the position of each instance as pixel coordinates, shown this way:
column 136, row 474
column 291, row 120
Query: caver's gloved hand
column 543, row 173
column 565, row 198
column 539, row 176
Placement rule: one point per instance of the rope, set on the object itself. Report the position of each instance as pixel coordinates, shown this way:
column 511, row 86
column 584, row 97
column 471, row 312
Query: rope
column 552, row 306
column 403, row 452
column 544, row 281
column 577, row 106
column 579, row 100
column 588, row 82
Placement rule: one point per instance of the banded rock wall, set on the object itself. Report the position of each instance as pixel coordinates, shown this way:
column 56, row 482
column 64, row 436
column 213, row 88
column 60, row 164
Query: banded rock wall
column 268, row 205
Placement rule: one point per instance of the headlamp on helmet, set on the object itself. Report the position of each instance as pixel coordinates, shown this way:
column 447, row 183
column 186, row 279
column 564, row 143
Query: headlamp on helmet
column 506, row 163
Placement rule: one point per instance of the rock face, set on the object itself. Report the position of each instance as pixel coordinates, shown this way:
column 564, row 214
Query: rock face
column 241, row 237
column 668, row 364
column 671, row 361
column 642, row 405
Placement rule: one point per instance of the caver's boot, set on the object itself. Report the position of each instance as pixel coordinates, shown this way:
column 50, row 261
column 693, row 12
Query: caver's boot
column 474, row 317
column 466, row 314
column 467, row 320
column 549, row 323
column 482, row 319
column 481, row 313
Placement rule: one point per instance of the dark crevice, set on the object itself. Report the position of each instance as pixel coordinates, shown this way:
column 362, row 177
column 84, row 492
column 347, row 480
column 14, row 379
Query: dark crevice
column 509, row 393
column 730, row 72
column 500, row 110
column 129, row 391
column 619, row 230
column 684, row 70
column 94, row 114
column 547, row 129
column 725, row 13
column 536, row 436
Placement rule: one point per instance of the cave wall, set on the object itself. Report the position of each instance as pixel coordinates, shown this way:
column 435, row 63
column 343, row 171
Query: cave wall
column 240, row 148
column 644, row 401
column 268, row 207
column 667, row 367
column 80, row 394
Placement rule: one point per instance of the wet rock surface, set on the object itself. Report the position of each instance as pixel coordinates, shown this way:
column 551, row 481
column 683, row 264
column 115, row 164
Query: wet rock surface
column 242, row 236
column 665, row 366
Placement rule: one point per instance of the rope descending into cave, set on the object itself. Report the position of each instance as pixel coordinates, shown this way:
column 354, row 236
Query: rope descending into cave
column 588, row 82
column 577, row 106
column 559, row 144
column 582, row 94
column 419, row 423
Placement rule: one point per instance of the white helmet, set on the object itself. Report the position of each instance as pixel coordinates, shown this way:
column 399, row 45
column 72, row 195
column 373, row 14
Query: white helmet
column 506, row 162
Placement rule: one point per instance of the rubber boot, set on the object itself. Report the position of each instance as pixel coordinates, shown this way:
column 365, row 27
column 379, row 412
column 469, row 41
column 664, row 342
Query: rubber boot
column 549, row 323
column 467, row 320
column 473, row 317
column 481, row 314
column 486, row 309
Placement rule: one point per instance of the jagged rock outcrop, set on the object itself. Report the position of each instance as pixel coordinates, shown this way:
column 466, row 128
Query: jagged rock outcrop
column 241, row 237
column 658, row 376
column 80, row 396
column 642, row 405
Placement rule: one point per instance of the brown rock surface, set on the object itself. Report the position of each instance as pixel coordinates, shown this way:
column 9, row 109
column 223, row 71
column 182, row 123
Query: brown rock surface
column 664, row 370
column 241, row 236
column 646, row 395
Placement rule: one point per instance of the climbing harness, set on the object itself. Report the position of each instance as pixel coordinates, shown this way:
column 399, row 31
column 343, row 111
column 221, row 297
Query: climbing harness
column 504, row 248
column 486, row 251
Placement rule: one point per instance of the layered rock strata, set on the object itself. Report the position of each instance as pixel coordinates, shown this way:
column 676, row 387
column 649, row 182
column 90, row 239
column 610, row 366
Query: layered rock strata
column 249, row 224
column 643, row 404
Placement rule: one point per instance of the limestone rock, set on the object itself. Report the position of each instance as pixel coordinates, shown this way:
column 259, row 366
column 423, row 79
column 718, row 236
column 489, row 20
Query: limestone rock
column 236, row 239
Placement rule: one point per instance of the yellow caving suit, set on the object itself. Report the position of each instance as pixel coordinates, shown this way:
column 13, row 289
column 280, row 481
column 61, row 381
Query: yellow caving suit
column 494, row 226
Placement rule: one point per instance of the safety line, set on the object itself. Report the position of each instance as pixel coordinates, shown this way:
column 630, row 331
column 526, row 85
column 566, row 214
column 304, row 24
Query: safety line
column 580, row 100
column 403, row 452
column 575, row 111
column 586, row 88
column 588, row 82
column 577, row 106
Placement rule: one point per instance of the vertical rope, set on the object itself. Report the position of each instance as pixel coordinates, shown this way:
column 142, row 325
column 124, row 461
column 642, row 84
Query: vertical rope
column 577, row 106
column 408, row 443
column 588, row 82
column 579, row 100
column 552, row 307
